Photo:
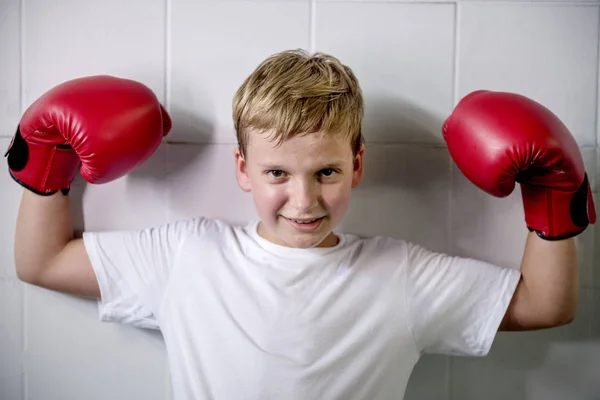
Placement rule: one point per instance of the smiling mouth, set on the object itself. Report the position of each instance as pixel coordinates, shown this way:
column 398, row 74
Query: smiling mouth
column 306, row 225
column 305, row 221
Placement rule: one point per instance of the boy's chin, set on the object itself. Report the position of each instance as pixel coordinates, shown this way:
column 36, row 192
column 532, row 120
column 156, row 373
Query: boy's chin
column 301, row 240
column 285, row 236
column 304, row 243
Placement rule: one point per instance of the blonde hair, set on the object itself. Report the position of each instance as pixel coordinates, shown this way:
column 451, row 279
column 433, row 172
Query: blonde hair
column 293, row 93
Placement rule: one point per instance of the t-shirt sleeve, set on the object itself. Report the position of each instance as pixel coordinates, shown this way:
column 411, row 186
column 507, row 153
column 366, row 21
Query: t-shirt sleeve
column 133, row 269
column 456, row 304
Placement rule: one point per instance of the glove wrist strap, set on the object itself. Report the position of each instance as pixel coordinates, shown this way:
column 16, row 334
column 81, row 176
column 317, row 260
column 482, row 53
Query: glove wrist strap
column 555, row 214
column 42, row 168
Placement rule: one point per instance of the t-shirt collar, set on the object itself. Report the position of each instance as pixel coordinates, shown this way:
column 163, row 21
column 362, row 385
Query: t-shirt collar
column 291, row 252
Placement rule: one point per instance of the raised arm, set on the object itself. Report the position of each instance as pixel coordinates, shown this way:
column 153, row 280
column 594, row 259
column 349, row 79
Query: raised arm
column 498, row 139
column 102, row 126
column 547, row 293
column 46, row 254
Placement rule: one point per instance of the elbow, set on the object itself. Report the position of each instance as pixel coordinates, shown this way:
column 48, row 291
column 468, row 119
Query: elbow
column 27, row 276
column 561, row 317
column 566, row 318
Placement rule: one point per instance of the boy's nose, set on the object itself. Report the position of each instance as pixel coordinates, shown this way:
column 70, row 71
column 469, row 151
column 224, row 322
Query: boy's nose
column 305, row 196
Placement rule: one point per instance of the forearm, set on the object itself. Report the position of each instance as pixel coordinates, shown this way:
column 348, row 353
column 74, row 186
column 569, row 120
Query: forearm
column 547, row 293
column 44, row 227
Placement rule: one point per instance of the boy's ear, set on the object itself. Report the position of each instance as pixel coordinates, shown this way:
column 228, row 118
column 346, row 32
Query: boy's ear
column 358, row 166
column 241, row 171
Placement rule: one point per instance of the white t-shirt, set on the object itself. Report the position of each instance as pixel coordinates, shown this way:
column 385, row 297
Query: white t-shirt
column 244, row 318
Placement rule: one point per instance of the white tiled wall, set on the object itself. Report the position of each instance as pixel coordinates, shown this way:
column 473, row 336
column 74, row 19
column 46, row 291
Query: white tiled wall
column 544, row 52
column 403, row 55
column 65, row 39
column 214, row 45
column 414, row 59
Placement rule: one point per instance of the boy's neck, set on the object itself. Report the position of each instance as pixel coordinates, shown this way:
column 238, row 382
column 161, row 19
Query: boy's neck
column 330, row 241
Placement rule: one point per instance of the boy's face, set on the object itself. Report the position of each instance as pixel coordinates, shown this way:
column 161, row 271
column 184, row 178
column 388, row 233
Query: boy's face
column 301, row 188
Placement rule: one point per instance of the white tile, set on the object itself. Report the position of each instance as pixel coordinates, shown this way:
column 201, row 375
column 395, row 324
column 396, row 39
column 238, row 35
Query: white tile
column 201, row 181
column 402, row 55
column 457, row 1
column 595, row 323
column 135, row 201
column 11, row 339
column 571, row 371
column 9, row 208
column 597, row 167
column 72, row 355
column 586, row 250
column 10, row 74
column 257, row 1
column 546, row 52
column 404, row 194
column 169, row 388
column 578, row 2
column 429, row 378
column 595, row 235
column 589, row 160
column 214, row 47
column 69, row 39
column 486, row 227
column 521, row 364
column 586, row 242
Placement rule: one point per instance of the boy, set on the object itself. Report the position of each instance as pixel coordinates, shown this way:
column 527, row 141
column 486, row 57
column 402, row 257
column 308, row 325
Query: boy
column 286, row 308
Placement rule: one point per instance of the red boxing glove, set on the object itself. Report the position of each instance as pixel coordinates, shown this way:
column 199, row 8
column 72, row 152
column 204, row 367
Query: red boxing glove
column 104, row 124
column 499, row 138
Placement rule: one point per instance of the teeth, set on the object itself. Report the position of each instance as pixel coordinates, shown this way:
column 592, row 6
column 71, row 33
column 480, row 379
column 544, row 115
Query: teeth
column 305, row 222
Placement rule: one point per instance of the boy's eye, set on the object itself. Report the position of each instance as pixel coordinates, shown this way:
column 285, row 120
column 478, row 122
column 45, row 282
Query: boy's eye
column 328, row 172
column 276, row 173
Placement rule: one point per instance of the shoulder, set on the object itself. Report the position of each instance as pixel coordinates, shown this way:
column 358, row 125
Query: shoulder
column 376, row 242
column 401, row 253
column 197, row 225
column 211, row 230
column 377, row 249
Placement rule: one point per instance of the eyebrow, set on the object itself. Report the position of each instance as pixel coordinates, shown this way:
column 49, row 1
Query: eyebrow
column 336, row 164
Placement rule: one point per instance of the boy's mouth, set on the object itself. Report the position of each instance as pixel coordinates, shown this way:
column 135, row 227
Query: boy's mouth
column 305, row 224
column 304, row 221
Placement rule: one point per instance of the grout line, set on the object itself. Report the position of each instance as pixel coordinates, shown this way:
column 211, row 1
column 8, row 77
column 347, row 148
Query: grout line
column 167, row 82
column 455, row 74
column 168, row 385
column 312, row 22
column 24, row 346
column 427, row 145
column 167, row 172
column 597, row 135
column 21, row 57
column 393, row 1
column 531, row 2
column 492, row 2
column 449, row 244
column 23, row 311
column 449, row 365
column 424, row 145
column 24, row 394
column 24, row 319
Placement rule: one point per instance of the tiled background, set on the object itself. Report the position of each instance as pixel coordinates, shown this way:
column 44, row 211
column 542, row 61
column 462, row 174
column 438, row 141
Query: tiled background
column 414, row 59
